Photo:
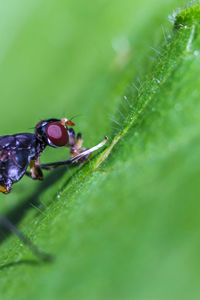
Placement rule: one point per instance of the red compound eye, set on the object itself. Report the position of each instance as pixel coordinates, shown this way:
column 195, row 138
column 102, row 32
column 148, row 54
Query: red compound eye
column 57, row 134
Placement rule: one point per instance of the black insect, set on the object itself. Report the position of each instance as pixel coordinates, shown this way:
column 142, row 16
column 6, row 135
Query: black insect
column 20, row 152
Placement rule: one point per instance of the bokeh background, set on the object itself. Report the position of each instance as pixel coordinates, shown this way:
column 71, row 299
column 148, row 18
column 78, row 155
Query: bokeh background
column 122, row 232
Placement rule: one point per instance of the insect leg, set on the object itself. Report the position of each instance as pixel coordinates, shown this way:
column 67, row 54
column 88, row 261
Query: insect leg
column 4, row 222
column 76, row 158
column 75, row 141
column 6, row 187
column 79, row 140
column 36, row 172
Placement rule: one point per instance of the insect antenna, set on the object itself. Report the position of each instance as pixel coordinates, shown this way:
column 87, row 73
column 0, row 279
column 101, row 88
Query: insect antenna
column 75, row 116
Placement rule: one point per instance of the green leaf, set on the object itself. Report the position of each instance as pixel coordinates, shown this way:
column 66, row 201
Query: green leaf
column 126, row 224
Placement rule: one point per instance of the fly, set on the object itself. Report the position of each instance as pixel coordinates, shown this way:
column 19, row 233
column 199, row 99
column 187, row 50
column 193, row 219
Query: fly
column 18, row 152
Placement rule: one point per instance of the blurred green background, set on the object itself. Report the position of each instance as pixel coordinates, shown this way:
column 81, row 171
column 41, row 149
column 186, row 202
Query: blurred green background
column 130, row 229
